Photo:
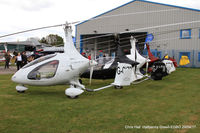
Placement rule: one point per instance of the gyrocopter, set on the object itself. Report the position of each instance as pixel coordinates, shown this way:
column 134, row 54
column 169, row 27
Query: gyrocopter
column 65, row 68
column 54, row 69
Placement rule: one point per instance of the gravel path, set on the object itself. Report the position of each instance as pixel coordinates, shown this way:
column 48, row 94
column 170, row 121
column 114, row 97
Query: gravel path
column 11, row 70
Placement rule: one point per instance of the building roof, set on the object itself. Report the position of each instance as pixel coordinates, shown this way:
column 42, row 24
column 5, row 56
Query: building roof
column 27, row 43
column 142, row 1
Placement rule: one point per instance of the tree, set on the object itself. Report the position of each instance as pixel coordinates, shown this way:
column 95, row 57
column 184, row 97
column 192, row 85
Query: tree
column 43, row 40
column 52, row 39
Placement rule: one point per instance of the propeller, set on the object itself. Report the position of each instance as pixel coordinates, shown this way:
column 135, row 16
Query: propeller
column 92, row 64
column 135, row 61
column 147, row 65
column 135, row 54
column 91, row 73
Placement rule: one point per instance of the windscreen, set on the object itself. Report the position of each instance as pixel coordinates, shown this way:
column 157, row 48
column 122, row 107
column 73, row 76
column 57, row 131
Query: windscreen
column 45, row 71
column 43, row 58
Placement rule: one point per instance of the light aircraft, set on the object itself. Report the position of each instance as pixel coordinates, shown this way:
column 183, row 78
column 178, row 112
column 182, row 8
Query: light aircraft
column 135, row 56
column 160, row 67
column 54, row 69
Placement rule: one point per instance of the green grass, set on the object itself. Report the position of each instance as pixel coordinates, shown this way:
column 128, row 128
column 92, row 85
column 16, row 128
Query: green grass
column 173, row 101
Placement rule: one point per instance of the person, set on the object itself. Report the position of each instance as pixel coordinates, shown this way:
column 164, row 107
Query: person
column 24, row 58
column 84, row 55
column 7, row 59
column 19, row 61
column 15, row 52
column 89, row 57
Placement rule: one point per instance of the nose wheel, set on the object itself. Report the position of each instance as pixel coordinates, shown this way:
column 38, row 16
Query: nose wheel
column 21, row 88
column 73, row 92
column 75, row 97
column 21, row 91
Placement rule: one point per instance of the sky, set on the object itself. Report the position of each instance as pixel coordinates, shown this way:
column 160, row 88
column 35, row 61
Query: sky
column 19, row 15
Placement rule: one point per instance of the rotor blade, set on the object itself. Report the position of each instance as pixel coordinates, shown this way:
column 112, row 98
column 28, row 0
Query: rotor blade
column 45, row 27
column 31, row 30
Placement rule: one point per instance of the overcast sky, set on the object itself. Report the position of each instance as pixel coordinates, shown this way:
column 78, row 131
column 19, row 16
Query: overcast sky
column 18, row 15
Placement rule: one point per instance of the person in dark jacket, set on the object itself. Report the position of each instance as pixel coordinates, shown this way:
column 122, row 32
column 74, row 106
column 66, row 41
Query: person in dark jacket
column 24, row 59
column 7, row 59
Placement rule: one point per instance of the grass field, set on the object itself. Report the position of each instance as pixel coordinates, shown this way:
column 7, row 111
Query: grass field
column 174, row 101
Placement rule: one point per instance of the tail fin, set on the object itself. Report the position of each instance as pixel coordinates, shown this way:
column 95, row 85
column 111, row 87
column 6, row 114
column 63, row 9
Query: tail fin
column 121, row 57
column 123, row 74
column 151, row 56
column 69, row 47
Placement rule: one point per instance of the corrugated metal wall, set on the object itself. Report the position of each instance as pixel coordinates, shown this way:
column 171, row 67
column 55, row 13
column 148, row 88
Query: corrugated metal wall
column 156, row 16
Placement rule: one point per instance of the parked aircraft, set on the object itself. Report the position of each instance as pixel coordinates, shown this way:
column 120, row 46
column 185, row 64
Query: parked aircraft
column 54, row 69
column 160, row 67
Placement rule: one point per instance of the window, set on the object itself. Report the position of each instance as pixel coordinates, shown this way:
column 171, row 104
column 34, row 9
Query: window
column 45, row 71
column 156, row 53
column 185, row 34
column 159, row 54
column 39, row 60
column 199, row 33
column 199, row 56
column 184, row 54
column 184, row 58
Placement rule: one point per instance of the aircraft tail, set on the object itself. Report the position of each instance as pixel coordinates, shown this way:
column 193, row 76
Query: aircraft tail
column 69, row 47
column 123, row 74
column 151, row 56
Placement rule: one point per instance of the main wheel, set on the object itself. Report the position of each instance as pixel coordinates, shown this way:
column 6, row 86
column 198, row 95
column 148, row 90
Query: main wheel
column 20, row 91
column 73, row 97
column 118, row 87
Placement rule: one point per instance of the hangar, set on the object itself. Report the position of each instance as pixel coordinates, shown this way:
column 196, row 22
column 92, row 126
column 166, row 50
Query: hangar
column 172, row 30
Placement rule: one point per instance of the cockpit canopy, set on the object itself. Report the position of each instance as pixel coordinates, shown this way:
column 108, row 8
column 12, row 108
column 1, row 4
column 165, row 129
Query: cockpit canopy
column 44, row 71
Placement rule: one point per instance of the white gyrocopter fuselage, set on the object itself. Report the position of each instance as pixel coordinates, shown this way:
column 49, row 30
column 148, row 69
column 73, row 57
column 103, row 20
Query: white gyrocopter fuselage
column 60, row 68
column 50, row 70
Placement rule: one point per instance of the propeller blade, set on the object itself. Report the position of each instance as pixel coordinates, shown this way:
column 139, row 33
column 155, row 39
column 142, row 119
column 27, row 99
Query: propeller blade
column 91, row 73
column 147, row 65
column 92, row 64
column 135, row 60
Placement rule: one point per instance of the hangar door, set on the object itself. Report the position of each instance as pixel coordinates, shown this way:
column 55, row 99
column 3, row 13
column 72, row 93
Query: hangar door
column 104, row 43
